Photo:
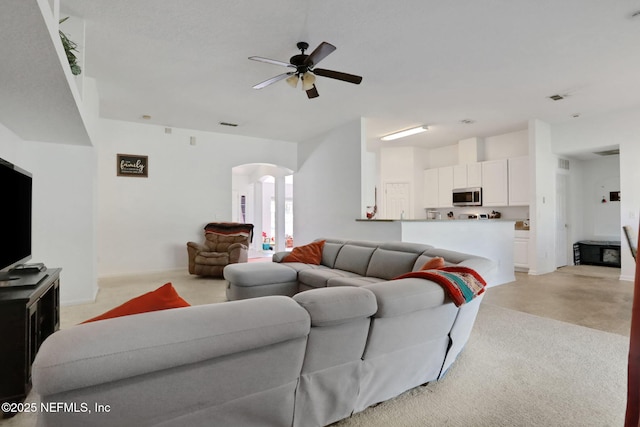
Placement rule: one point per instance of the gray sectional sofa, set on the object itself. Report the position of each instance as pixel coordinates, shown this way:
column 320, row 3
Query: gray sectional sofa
column 306, row 360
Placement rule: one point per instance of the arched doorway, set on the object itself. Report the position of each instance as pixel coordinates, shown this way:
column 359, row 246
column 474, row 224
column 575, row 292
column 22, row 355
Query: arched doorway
column 262, row 194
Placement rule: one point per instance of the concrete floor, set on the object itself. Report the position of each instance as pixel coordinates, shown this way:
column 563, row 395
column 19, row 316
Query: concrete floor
column 589, row 296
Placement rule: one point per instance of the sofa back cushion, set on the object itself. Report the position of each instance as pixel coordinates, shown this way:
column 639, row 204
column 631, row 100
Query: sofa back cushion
column 354, row 258
column 330, row 252
column 220, row 243
column 387, row 264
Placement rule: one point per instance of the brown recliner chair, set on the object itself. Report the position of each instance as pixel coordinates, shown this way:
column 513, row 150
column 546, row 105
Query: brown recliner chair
column 225, row 243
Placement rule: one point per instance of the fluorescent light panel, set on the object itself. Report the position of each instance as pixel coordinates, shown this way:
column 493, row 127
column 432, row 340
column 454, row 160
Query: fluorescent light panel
column 404, row 133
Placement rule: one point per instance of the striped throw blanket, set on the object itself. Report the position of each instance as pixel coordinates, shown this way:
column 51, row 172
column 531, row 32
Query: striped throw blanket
column 462, row 284
column 230, row 229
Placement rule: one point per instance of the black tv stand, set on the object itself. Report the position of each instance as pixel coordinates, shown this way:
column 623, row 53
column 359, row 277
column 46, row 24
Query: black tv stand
column 29, row 313
column 23, row 277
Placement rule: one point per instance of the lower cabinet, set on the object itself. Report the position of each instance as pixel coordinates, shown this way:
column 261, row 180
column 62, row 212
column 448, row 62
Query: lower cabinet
column 29, row 313
column 521, row 250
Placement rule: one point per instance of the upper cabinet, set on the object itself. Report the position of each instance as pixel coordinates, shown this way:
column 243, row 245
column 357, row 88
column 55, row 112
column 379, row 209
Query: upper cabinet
column 431, row 188
column 519, row 181
column 468, row 175
column 494, row 183
column 438, row 186
column 445, row 187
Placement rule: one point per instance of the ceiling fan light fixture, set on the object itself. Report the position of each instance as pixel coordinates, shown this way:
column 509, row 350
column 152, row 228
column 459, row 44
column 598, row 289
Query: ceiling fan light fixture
column 404, row 133
column 308, row 81
column 292, row 80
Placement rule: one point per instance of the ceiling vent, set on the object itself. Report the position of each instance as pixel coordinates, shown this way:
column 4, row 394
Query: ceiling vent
column 613, row 152
column 233, row 125
column 556, row 97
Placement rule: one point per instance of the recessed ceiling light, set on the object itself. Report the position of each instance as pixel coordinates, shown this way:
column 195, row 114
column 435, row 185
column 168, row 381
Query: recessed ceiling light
column 575, row 116
column 403, row 133
column 467, row 121
column 556, row 97
column 146, row 117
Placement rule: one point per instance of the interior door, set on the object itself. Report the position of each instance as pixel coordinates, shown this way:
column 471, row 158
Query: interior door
column 397, row 200
column 561, row 220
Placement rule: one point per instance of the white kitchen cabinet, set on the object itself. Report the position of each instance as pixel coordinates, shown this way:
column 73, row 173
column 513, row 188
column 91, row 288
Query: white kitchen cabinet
column 474, row 175
column 519, row 181
column 521, row 249
column 460, row 176
column 445, row 187
column 468, row 175
column 430, row 197
column 495, row 183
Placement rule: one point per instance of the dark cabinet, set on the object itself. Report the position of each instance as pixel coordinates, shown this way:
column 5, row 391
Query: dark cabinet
column 29, row 313
column 595, row 252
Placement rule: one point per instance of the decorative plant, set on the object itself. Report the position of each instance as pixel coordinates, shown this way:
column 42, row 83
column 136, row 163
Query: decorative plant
column 69, row 47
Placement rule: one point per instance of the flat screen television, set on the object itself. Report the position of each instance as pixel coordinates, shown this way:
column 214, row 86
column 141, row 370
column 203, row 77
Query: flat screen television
column 15, row 222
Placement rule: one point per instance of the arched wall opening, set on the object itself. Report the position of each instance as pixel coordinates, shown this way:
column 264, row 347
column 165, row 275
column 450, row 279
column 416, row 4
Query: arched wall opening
column 262, row 195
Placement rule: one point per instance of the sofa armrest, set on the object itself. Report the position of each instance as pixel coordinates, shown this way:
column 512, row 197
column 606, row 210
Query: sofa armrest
column 192, row 250
column 279, row 256
column 238, row 252
column 110, row 350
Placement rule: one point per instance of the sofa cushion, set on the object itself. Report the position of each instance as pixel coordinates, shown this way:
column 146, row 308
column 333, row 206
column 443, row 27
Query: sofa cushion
column 352, row 281
column 337, row 305
column 258, row 273
column 163, row 298
column 317, row 277
column 354, row 259
column 308, row 254
column 388, row 264
column 399, row 297
column 330, row 252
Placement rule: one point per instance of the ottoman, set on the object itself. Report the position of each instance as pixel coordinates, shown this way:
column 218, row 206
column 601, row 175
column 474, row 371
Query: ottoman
column 250, row 280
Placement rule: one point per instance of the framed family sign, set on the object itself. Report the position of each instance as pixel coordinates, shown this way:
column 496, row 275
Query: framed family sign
column 133, row 165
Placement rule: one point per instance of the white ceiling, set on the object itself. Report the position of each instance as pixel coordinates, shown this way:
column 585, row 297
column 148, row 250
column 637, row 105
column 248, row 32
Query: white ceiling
column 185, row 63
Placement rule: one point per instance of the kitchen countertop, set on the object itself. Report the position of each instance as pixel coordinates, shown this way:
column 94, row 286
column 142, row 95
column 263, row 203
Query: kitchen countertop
column 439, row 220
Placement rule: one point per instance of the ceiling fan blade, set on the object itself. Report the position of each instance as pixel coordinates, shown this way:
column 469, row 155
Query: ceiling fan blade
column 321, row 52
column 313, row 92
column 273, row 80
column 351, row 78
column 271, row 61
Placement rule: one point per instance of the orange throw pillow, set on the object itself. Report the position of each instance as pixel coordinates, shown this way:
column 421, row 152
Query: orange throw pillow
column 161, row 299
column 308, row 254
column 433, row 264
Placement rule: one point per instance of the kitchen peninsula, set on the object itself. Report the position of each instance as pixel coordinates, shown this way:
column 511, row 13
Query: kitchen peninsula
column 490, row 238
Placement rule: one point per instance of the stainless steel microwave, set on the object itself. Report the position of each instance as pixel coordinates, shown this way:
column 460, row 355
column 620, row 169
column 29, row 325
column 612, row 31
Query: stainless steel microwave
column 467, row 196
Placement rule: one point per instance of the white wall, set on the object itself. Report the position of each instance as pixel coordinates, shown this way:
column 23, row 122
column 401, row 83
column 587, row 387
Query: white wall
column 621, row 129
column 64, row 179
column 505, row 146
column 145, row 223
column 542, row 237
column 327, row 187
column 601, row 221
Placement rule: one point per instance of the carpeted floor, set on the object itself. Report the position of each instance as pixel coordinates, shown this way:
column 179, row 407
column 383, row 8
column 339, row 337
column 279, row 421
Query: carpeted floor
column 518, row 369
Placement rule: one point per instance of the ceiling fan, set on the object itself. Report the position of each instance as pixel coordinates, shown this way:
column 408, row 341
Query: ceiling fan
column 304, row 69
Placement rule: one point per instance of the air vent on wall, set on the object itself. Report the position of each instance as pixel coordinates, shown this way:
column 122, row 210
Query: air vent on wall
column 563, row 164
column 613, row 152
